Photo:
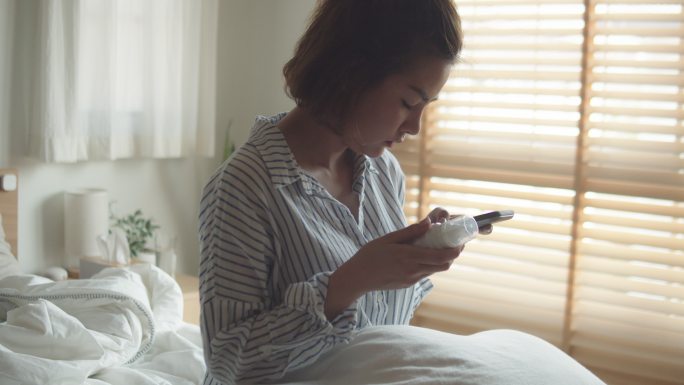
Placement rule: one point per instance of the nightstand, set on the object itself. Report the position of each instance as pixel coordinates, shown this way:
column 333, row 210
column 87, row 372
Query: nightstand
column 189, row 285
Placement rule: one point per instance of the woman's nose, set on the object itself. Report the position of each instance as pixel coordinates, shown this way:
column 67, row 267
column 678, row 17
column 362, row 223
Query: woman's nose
column 413, row 122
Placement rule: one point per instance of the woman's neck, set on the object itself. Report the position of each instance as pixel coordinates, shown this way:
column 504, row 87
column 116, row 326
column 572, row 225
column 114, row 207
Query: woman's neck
column 314, row 145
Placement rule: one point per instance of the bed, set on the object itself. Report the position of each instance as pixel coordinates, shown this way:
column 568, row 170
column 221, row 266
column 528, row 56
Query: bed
column 124, row 326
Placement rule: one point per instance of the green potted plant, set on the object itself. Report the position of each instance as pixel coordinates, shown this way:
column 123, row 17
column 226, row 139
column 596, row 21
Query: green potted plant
column 139, row 231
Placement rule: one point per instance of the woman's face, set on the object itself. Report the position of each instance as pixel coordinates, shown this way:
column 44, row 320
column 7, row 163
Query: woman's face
column 388, row 112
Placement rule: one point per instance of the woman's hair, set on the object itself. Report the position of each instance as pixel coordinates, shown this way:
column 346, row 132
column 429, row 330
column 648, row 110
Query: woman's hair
column 353, row 45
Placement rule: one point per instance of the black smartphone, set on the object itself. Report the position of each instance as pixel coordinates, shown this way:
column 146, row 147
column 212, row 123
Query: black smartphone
column 493, row 217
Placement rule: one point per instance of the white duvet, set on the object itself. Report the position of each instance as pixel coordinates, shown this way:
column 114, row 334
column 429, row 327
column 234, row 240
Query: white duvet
column 123, row 326
column 408, row 355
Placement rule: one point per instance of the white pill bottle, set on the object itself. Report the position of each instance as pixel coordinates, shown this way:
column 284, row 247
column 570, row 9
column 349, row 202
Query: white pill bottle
column 452, row 233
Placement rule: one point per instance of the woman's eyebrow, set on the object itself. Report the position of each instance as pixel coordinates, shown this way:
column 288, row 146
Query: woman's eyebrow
column 423, row 94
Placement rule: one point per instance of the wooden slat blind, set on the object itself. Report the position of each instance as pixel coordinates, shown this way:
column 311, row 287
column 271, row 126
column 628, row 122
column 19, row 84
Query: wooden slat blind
column 571, row 113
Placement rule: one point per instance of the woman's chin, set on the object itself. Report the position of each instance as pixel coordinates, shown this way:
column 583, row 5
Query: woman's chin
column 375, row 151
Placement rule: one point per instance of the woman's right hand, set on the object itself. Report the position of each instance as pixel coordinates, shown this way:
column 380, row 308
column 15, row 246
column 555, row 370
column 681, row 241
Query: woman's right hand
column 388, row 262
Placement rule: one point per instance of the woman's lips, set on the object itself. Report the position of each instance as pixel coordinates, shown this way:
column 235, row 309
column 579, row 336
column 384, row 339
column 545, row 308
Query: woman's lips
column 390, row 143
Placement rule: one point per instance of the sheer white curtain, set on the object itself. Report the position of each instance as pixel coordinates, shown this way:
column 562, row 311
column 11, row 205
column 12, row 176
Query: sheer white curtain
column 123, row 79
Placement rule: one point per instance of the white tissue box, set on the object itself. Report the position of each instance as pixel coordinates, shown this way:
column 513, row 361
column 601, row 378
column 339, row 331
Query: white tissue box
column 91, row 266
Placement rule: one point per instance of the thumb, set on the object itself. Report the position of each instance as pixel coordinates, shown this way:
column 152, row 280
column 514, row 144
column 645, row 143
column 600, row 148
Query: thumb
column 409, row 233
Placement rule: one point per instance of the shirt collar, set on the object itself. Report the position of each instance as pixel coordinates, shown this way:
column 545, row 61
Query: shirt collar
column 281, row 164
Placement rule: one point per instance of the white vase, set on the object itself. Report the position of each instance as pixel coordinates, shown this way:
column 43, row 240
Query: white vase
column 147, row 257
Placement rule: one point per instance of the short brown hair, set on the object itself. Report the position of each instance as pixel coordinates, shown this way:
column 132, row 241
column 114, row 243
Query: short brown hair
column 352, row 45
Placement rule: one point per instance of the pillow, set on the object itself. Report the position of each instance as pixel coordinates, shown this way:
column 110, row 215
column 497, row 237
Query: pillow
column 8, row 263
column 402, row 354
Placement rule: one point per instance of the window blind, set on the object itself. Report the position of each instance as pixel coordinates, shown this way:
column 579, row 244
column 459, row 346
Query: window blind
column 572, row 114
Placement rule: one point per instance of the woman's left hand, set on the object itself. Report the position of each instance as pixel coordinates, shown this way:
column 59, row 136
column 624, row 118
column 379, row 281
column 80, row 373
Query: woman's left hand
column 439, row 215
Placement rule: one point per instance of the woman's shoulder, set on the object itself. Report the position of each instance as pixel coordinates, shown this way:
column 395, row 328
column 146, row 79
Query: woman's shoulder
column 250, row 157
column 246, row 156
column 245, row 169
column 250, row 168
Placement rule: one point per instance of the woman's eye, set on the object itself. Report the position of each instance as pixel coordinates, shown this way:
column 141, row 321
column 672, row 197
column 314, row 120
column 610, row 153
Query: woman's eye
column 405, row 104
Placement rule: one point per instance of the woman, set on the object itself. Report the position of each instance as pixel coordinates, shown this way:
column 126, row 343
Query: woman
column 302, row 232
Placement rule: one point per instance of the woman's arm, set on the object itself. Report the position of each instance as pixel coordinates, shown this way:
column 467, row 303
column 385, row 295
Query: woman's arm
column 265, row 343
column 249, row 335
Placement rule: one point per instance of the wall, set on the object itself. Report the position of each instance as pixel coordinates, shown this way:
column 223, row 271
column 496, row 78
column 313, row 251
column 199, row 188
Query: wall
column 6, row 38
column 256, row 37
column 259, row 37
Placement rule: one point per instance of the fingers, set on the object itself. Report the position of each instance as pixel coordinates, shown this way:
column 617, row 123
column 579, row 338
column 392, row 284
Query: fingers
column 423, row 271
column 438, row 215
column 426, row 272
column 486, row 229
column 429, row 269
column 435, row 257
column 408, row 234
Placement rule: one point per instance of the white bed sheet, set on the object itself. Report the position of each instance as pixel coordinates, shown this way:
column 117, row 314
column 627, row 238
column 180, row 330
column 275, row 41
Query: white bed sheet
column 123, row 326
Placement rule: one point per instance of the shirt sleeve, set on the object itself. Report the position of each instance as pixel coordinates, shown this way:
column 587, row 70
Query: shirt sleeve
column 248, row 334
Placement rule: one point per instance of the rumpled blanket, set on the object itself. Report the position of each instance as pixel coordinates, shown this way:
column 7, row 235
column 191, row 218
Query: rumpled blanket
column 122, row 326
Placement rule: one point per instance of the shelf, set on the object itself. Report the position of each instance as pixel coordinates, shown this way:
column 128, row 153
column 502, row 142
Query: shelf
column 189, row 285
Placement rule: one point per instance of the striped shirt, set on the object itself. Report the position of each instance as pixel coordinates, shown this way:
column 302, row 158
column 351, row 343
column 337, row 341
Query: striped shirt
column 271, row 236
